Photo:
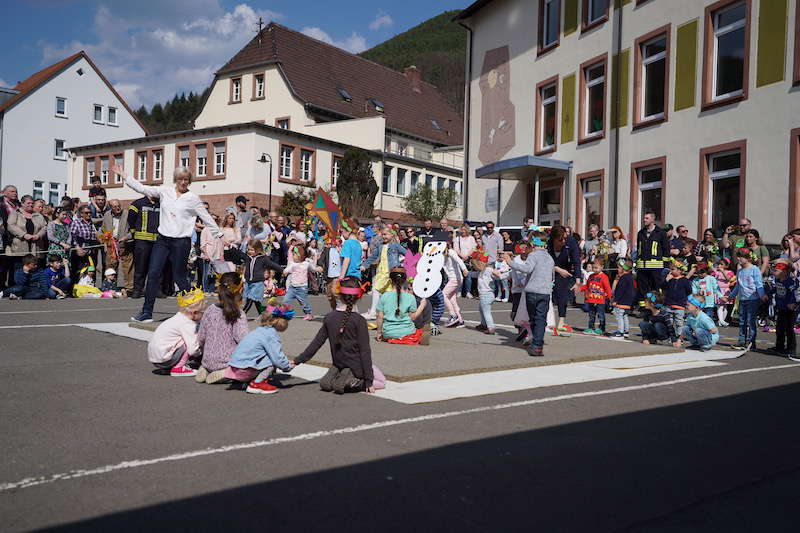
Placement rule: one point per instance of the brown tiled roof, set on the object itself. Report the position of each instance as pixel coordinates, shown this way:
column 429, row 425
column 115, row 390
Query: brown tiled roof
column 34, row 81
column 315, row 70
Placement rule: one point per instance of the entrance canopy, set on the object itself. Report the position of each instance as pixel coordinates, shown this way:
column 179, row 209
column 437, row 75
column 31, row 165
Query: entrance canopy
column 522, row 168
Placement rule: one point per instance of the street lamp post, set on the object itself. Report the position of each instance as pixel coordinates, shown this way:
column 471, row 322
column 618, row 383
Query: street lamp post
column 266, row 158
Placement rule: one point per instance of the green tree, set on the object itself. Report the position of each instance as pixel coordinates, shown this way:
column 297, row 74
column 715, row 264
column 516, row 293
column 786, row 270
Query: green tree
column 424, row 203
column 356, row 187
column 294, row 202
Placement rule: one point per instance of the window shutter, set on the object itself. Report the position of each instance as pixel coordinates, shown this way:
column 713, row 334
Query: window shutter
column 202, row 150
column 686, row 65
column 184, row 152
column 570, row 16
column 772, row 21
column 103, row 163
column 621, row 61
column 568, row 109
column 219, row 148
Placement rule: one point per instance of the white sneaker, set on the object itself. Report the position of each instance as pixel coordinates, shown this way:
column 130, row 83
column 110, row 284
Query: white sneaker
column 497, row 299
column 504, row 300
column 469, row 295
column 13, row 296
column 369, row 316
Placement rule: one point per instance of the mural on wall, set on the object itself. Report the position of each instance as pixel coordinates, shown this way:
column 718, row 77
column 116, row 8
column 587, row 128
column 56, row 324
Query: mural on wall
column 497, row 111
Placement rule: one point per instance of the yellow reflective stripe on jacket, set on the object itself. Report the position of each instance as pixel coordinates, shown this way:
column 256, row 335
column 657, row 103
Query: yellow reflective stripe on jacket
column 650, row 263
column 144, row 236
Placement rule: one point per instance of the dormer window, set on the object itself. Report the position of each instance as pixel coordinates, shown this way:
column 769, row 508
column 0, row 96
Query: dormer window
column 344, row 94
column 376, row 103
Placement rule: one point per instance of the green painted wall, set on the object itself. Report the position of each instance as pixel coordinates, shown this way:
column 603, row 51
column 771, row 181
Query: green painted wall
column 772, row 28
column 686, row 65
column 570, row 16
column 624, row 3
column 568, row 108
column 624, row 80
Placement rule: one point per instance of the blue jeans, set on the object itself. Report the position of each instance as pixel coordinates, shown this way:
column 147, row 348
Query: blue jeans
column 174, row 250
column 27, row 293
column 485, row 308
column 205, row 276
column 700, row 337
column 64, row 284
column 504, row 286
column 537, row 306
column 597, row 311
column 300, row 294
column 748, row 312
column 622, row 319
column 653, row 331
column 467, row 287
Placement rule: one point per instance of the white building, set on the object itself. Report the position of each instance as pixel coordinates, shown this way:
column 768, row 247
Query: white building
column 302, row 103
column 704, row 128
column 69, row 103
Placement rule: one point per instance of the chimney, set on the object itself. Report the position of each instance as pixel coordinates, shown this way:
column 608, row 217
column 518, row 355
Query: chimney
column 414, row 78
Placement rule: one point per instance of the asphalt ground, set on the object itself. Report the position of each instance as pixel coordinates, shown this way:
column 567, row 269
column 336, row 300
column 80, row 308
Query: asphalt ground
column 91, row 440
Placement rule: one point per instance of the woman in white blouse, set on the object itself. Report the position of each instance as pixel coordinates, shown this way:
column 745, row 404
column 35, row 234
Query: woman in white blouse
column 179, row 209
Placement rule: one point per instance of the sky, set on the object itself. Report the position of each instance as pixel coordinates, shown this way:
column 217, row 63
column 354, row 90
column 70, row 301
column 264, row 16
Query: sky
column 152, row 49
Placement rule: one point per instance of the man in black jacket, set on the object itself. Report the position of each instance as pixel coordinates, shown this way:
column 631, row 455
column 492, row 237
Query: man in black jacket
column 143, row 215
column 652, row 254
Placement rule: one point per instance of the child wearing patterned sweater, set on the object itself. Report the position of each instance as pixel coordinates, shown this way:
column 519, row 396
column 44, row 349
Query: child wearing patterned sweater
column 223, row 327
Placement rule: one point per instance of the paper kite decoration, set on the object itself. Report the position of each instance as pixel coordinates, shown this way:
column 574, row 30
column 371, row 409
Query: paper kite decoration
column 327, row 211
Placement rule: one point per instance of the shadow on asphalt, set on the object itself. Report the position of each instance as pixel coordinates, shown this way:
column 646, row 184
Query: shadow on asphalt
column 726, row 464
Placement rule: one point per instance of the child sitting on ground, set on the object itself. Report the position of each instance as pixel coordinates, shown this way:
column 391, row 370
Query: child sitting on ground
column 85, row 287
column 260, row 352
column 223, row 327
column 787, row 297
column 624, row 296
column 597, row 292
column 486, row 276
column 30, row 283
column 656, row 325
column 348, row 336
column 699, row 330
column 256, row 265
column 705, row 286
column 59, row 285
column 175, row 340
column 397, row 311
column 298, row 269
column 109, row 286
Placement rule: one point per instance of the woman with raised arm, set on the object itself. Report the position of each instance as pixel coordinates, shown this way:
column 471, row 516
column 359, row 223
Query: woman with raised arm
column 179, row 209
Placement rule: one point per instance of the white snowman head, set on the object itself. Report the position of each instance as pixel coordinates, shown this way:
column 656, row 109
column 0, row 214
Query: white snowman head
column 429, row 269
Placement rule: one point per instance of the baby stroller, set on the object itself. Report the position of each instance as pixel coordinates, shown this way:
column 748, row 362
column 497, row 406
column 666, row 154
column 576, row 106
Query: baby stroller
column 767, row 311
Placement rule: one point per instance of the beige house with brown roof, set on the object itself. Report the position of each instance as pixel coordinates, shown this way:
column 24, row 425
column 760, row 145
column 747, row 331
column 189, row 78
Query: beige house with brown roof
column 301, row 103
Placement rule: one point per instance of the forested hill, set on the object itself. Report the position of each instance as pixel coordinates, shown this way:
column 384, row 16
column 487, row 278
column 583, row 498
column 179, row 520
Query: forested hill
column 175, row 115
column 437, row 47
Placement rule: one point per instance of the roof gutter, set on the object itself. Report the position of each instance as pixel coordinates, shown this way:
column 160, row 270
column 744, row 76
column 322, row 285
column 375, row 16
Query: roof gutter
column 467, row 106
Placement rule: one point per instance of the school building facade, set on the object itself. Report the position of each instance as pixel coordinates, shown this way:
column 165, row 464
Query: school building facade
column 592, row 111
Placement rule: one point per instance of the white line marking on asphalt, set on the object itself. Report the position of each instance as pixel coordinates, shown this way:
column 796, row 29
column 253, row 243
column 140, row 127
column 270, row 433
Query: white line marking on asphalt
column 68, row 310
column 38, row 326
column 138, row 463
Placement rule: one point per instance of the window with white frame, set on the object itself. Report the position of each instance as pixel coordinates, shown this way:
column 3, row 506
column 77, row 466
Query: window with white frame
column 336, row 167
column 400, row 186
column 595, row 10
column 236, row 90
column 402, row 148
column 112, row 116
column 97, row 115
column 550, row 22
column 158, row 165
column 219, row 159
column 287, row 152
column 118, row 160
column 104, row 170
column 183, row 158
column 729, row 49
column 53, row 193
column 386, row 185
column 549, row 206
column 724, row 172
column 61, row 107
column 654, row 73
column 548, row 116
column 90, row 169
column 306, row 170
column 592, row 203
column 651, row 191
column 259, row 86
column 283, row 123
column 429, row 180
column 201, row 153
column 141, row 166
column 440, row 183
column 414, row 181
column 58, row 150
column 594, row 99
column 38, row 190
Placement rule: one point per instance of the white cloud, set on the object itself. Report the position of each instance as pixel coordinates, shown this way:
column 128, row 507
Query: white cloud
column 355, row 43
column 381, row 20
column 149, row 59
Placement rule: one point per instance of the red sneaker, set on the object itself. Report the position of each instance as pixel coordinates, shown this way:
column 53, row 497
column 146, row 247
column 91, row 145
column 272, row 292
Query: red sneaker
column 261, row 388
column 180, row 371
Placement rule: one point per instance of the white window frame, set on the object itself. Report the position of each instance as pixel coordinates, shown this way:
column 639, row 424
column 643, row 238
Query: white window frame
column 109, row 122
column 414, row 181
column 585, row 194
column 543, row 123
column 141, row 161
column 94, row 112
column 648, row 61
column 63, row 156
column 548, row 219
column 259, row 85
column 400, row 191
column 587, row 103
column 283, row 124
column 54, row 188
column 184, row 161
column 219, row 159
column 158, row 165
column 721, row 174
column 720, row 32
column 64, row 114
column 441, row 183
column 336, row 166
column 589, row 6
column 287, row 153
column 386, row 180
column 120, row 162
column 648, row 186
column 236, row 95
column 548, row 6
column 103, row 173
column 38, row 190
column 402, row 148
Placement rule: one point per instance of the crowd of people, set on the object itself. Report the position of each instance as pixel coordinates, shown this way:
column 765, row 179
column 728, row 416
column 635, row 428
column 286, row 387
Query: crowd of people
column 167, row 241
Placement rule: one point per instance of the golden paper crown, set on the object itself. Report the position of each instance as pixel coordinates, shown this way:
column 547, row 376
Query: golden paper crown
column 187, row 298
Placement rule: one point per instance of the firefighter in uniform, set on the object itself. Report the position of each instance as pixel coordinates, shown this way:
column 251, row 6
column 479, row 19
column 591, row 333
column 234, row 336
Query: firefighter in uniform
column 652, row 255
column 143, row 217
